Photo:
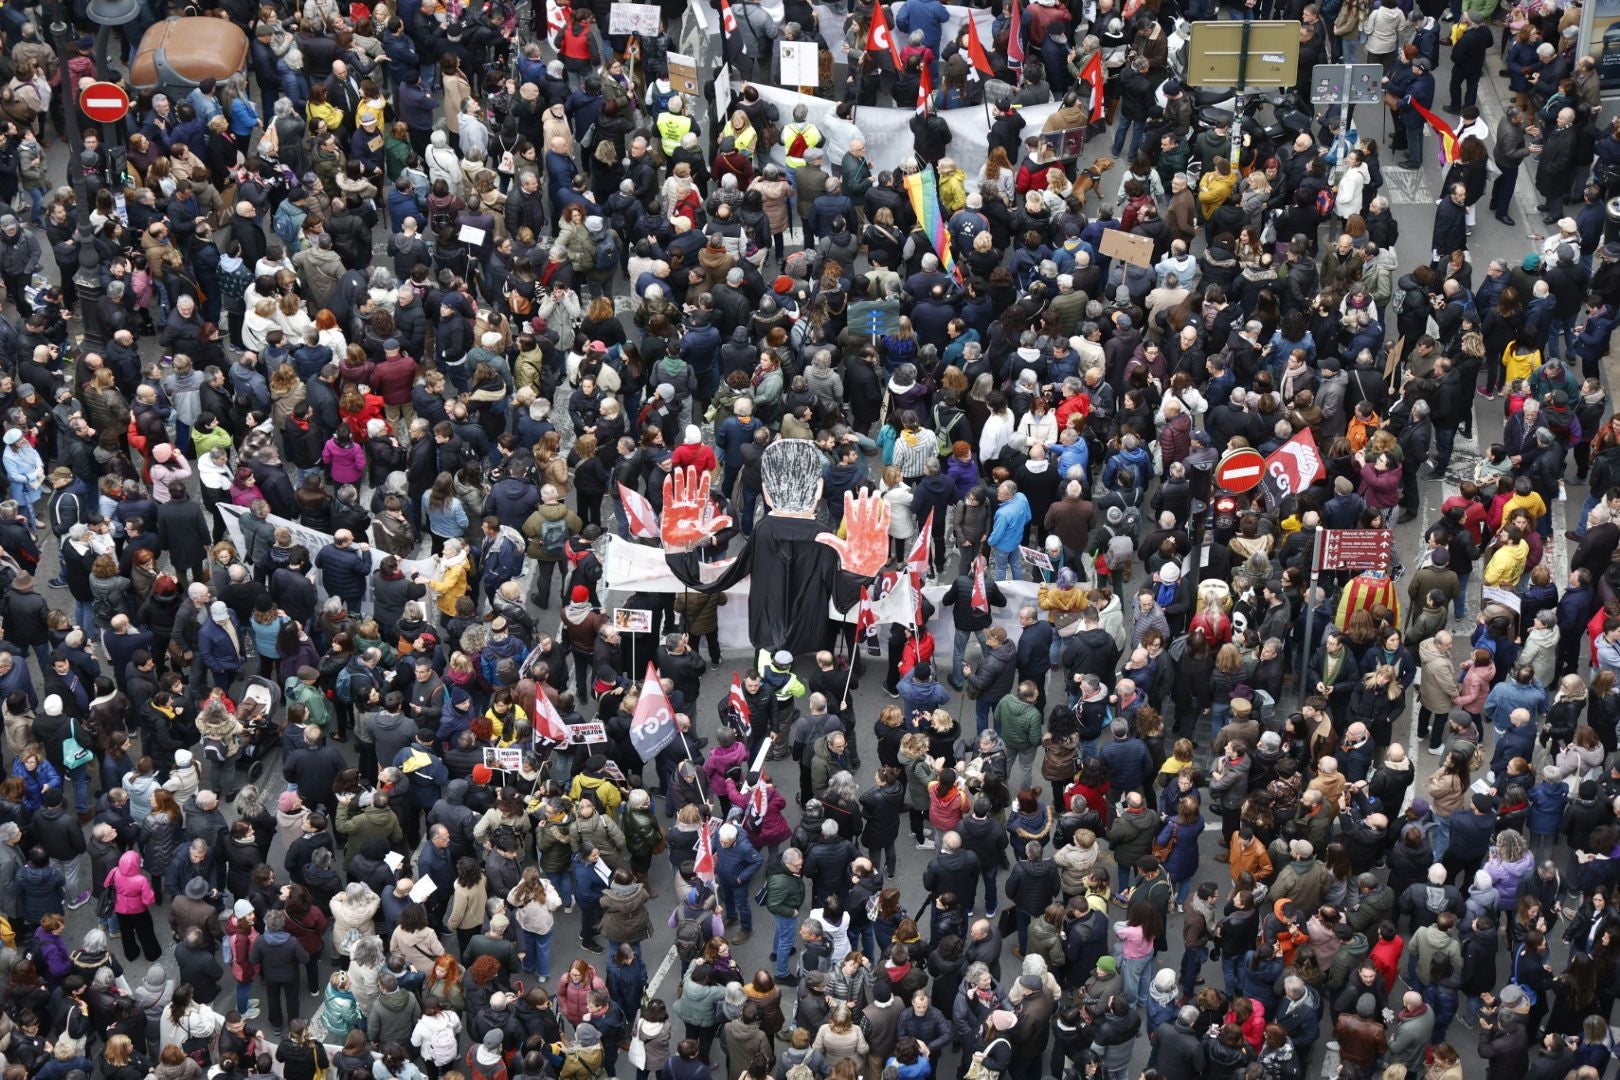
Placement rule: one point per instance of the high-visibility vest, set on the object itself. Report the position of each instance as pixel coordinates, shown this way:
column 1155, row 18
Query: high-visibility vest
column 672, row 128
column 793, row 134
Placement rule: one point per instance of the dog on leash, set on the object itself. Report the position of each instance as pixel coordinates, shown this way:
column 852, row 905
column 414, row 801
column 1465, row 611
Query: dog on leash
column 1090, row 180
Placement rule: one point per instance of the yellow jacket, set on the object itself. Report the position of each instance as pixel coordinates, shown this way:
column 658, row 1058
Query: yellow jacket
column 328, row 112
column 1213, row 188
column 953, row 190
column 602, row 790
column 450, row 585
column 1506, row 566
column 1519, row 365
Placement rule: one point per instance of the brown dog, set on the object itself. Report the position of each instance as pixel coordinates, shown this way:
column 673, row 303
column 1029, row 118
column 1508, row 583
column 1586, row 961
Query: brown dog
column 1090, row 179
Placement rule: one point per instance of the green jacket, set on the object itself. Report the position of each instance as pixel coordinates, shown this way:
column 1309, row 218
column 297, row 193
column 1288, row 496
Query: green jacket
column 1019, row 723
column 641, row 832
column 784, row 894
column 320, row 710
column 357, row 827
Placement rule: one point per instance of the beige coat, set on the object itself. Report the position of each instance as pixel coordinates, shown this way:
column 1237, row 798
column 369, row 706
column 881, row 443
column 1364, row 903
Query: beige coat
column 456, row 90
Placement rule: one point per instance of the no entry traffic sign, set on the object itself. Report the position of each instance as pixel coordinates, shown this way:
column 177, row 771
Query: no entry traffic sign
column 104, row 102
column 1239, row 470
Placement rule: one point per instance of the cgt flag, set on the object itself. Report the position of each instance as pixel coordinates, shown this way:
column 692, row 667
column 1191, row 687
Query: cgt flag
column 1291, row 468
column 737, row 710
column 653, row 726
column 639, row 512
column 917, row 558
column 981, row 599
column 703, row 861
column 547, row 724
column 880, row 38
column 1092, row 75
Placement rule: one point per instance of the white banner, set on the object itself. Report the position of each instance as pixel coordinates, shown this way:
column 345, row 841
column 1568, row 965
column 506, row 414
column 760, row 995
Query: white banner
column 313, row 541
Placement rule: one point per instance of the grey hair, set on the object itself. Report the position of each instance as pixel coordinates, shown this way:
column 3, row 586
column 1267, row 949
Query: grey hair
column 368, row 951
column 841, row 785
column 249, row 803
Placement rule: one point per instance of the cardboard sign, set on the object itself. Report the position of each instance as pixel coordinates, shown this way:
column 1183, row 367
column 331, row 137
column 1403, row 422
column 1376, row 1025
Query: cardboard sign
column 1136, row 250
column 632, row 620
column 682, row 73
column 800, row 64
column 585, row 734
column 1036, row 558
column 634, row 19
column 472, row 234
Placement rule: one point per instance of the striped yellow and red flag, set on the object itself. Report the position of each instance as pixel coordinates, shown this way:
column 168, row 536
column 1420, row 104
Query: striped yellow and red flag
column 1450, row 148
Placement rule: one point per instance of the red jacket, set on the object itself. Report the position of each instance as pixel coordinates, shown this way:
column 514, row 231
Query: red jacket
column 392, row 380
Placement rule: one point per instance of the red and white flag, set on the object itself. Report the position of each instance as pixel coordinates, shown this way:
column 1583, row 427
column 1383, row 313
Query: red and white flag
column 547, row 724
column 703, row 864
column 925, row 91
column 642, row 517
column 1092, row 74
column 652, row 727
column 917, row 557
column 556, row 15
column 918, row 619
column 978, row 59
column 981, row 598
column 737, row 706
column 879, row 38
column 728, row 21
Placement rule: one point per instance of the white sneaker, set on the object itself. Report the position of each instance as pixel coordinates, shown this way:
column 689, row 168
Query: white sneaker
column 568, row 909
column 1434, row 751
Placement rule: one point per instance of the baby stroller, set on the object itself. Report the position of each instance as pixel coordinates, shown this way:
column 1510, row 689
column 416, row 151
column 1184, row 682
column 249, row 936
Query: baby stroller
column 261, row 732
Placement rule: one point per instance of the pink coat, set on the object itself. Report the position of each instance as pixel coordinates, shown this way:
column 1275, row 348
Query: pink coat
column 1476, row 685
column 348, row 464
column 132, row 891
column 1381, row 489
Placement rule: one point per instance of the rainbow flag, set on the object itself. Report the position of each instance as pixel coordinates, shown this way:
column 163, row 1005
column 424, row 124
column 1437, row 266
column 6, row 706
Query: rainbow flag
column 1450, row 148
column 923, row 187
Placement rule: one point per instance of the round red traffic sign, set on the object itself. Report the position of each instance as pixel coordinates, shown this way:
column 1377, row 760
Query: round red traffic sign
column 1239, row 470
column 104, row 102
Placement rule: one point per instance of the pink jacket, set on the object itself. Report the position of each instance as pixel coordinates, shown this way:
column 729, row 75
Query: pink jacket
column 1381, row 489
column 348, row 465
column 1476, row 685
column 132, row 891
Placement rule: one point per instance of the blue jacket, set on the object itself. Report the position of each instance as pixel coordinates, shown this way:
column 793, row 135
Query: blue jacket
column 588, row 885
column 294, row 85
column 431, row 862
column 929, row 16
column 344, row 572
column 402, row 51
column 736, row 864
column 1139, row 460
column 1547, row 802
column 733, row 434
column 1514, row 742
column 503, row 559
column 416, row 106
column 1012, row 518
column 1183, row 861
column 700, row 347
column 404, row 204
column 1508, row 695
column 1593, row 342
column 215, row 650
column 1471, row 834
column 1130, row 766
column 918, row 697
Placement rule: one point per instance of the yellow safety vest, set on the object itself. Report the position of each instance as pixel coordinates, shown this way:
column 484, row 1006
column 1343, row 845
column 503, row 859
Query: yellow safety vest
column 672, row 128
column 791, row 134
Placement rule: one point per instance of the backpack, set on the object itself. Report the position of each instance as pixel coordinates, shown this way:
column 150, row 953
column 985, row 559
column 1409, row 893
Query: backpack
column 345, row 686
column 946, row 417
column 442, row 1043
column 798, row 146
column 553, row 537
column 1325, row 202
column 607, row 254
column 689, row 940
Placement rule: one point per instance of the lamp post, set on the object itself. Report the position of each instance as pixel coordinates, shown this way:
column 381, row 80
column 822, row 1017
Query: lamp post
column 107, row 15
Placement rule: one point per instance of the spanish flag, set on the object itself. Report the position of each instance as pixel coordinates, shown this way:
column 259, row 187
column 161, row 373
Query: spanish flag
column 1449, row 146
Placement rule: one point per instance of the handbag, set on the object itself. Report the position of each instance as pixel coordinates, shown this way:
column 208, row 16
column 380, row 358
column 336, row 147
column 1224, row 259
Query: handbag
column 1163, row 851
column 1529, row 992
column 74, row 755
column 107, row 906
column 637, row 1053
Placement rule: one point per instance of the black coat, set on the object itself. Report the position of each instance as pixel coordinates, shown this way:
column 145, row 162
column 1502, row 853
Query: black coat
column 183, row 531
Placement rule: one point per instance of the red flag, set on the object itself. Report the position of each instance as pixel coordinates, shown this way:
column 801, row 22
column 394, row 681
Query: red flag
column 918, row 618
column 925, row 91
column 703, row 864
column 643, row 519
column 737, row 705
column 1015, row 37
column 547, row 724
column 1092, row 74
column 981, row 599
column 728, row 21
column 865, row 614
column 879, row 38
column 978, row 61
column 917, row 557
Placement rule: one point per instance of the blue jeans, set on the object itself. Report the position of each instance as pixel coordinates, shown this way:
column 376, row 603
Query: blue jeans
column 1350, row 49
column 564, row 883
column 961, row 649
column 81, row 788
column 1006, row 565
column 1441, row 837
column 866, row 940
column 1590, row 501
column 750, row 505
column 990, row 878
column 787, row 932
column 36, row 196
column 536, row 952
column 84, row 616
column 243, row 990
column 1462, row 593
column 1231, row 972
column 982, row 708
column 1185, row 887
column 1137, row 138
column 1135, row 975
column 25, row 504
column 737, row 902
column 1192, row 962
column 1561, row 338
column 1414, row 147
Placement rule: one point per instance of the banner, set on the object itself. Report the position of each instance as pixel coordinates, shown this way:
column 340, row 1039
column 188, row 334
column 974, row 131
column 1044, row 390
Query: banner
column 313, row 540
